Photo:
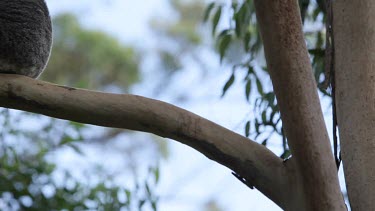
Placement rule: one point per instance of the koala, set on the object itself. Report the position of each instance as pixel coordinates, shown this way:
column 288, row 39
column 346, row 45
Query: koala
column 25, row 37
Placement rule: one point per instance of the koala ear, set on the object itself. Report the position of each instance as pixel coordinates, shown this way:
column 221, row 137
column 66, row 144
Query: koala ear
column 25, row 48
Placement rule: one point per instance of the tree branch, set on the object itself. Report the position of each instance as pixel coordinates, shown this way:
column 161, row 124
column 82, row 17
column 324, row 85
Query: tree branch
column 296, row 91
column 254, row 162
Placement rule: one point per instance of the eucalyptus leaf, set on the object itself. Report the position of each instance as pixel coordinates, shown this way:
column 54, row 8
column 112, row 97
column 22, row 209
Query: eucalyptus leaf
column 224, row 44
column 228, row 84
column 247, row 129
column 248, row 89
column 208, row 10
column 216, row 19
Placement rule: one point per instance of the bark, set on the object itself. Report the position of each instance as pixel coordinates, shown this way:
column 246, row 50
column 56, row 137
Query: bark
column 354, row 36
column 259, row 166
column 295, row 88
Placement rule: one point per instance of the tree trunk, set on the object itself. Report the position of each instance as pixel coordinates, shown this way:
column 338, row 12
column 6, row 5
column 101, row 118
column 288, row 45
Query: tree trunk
column 295, row 88
column 354, row 36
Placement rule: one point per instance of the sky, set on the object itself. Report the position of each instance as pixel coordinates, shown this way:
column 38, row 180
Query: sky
column 188, row 179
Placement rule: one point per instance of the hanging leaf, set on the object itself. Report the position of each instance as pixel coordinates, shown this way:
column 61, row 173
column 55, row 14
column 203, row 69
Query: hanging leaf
column 215, row 20
column 264, row 142
column 234, row 5
column 223, row 45
column 303, row 4
column 248, row 89
column 264, row 116
column 153, row 205
column 156, row 173
column 208, row 11
column 247, row 129
column 246, row 41
column 228, row 84
column 76, row 148
column 242, row 18
column 141, row 203
column 257, row 126
column 148, row 190
column 259, row 87
column 250, row 71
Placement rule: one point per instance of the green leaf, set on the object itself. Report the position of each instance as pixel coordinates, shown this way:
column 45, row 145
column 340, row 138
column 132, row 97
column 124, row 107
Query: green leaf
column 257, row 126
column 50, row 168
column 128, row 194
column 75, row 148
column 153, row 205
column 148, row 190
column 223, row 33
column 286, row 154
column 247, row 39
column 241, row 19
column 316, row 12
column 208, row 10
column 259, row 87
column 223, row 46
column 319, row 52
column 264, row 116
column 156, row 175
column 238, row 28
column 264, row 142
column 216, row 19
column 250, row 71
column 270, row 97
column 66, row 139
column 234, row 5
column 247, row 129
column 248, row 89
column 76, row 125
column 228, row 84
column 303, row 4
column 141, row 203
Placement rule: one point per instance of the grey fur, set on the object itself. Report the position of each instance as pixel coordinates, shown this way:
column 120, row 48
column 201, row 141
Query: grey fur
column 25, row 37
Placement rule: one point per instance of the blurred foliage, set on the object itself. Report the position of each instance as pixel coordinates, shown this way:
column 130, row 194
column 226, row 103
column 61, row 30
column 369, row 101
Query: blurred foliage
column 180, row 38
column 212, row 205
column 81, row 58
column 243, row 29
column 89, row 59
column 28, row 180
column 188, row 22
